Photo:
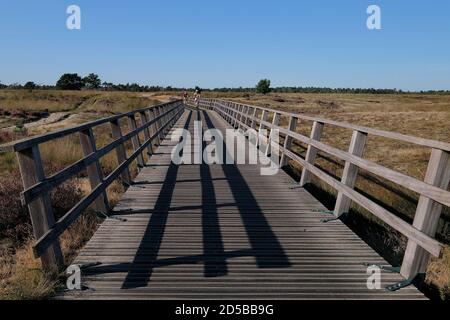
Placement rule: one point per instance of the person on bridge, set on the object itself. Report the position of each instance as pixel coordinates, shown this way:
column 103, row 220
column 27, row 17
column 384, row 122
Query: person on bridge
column 197, row 97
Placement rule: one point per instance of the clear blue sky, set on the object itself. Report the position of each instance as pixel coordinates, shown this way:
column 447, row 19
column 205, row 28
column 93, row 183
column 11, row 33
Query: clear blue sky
column 230, row 43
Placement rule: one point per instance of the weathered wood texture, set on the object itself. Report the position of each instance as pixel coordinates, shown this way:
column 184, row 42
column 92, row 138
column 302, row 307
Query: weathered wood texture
column 433, row 191
column 224, row 232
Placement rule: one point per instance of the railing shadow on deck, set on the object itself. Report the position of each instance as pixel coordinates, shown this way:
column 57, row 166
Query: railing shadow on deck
column 262, row 239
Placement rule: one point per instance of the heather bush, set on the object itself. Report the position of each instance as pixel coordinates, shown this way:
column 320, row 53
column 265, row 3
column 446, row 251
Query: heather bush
column 14, row 219
column 15, row 224
column 5, row 136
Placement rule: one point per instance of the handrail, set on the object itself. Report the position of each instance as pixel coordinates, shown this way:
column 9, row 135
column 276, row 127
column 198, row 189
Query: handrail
column 155, row 123
column 433, row 191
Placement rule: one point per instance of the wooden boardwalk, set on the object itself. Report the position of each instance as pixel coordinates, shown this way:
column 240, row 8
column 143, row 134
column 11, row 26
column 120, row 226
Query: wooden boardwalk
column 224, row 232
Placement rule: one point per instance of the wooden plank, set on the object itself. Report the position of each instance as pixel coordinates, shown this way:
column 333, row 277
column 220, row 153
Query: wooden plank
column 120, row 151
column 41, row 213
column 426, row 242
column 427, row 215
column 147, row 134
column 438, row 194
column 136, row 141
column 94, row 170
column 288, row 140
column 64, row 222
column 311, row 153
column 350, row 173
column 161, row 253
column 275, row 123
column 262, row 137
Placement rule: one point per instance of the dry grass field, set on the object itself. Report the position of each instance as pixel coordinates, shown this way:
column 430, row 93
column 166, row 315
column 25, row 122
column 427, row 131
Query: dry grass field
column 420, row 115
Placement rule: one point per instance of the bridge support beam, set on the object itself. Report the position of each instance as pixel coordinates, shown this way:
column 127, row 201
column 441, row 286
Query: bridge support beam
column 427, row 215
column 350, row 173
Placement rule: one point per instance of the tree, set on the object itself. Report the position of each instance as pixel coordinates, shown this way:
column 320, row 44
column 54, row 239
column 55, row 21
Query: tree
column 92, row 81
column 30, row 85
column 70, row 81
column 263, row 86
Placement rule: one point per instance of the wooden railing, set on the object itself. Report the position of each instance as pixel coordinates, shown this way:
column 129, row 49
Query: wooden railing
column 433, row 190
column 154, row 124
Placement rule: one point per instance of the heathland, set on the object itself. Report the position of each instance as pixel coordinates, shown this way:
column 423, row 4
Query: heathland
column 25, row 113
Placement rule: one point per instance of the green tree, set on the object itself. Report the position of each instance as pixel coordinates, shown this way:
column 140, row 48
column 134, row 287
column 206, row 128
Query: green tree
column 263, row 86
column 70, row 81
column 92, row 81
column 30, row 85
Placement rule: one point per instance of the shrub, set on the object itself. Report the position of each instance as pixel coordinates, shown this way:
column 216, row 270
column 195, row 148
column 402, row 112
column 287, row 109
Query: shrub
column 14, row 220
column 5, row 137
column 15, row 224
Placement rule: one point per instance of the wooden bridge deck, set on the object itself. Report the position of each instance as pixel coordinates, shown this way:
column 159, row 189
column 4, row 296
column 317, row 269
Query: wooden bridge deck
column 225, row 232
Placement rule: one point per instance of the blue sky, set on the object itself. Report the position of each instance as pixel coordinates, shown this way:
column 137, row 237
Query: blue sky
column 230, row 43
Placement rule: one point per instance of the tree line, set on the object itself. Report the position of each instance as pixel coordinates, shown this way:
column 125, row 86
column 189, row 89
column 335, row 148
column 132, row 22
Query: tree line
column 73, row 81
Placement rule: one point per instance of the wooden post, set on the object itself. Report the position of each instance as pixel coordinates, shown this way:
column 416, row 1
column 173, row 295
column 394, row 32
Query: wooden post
column 230, row 105
column 94, row 170
column 164, row 120
column 144, row 121
column 244, row 118
column 162, row 111
column 157, row 126
column 288, row 140
column 120, row 151
column 255, row 114
column 229, row 112
column 41, row 212
column 275, row 122
column 235, row 115
column 350, row 173
column 311, row 152
column 153, row 127
column 136, row 141
column 264, row 117
column 247, row 118
column 427, row 215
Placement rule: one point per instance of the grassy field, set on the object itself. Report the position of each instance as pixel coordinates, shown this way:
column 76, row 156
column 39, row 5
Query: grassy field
column 415, row 114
